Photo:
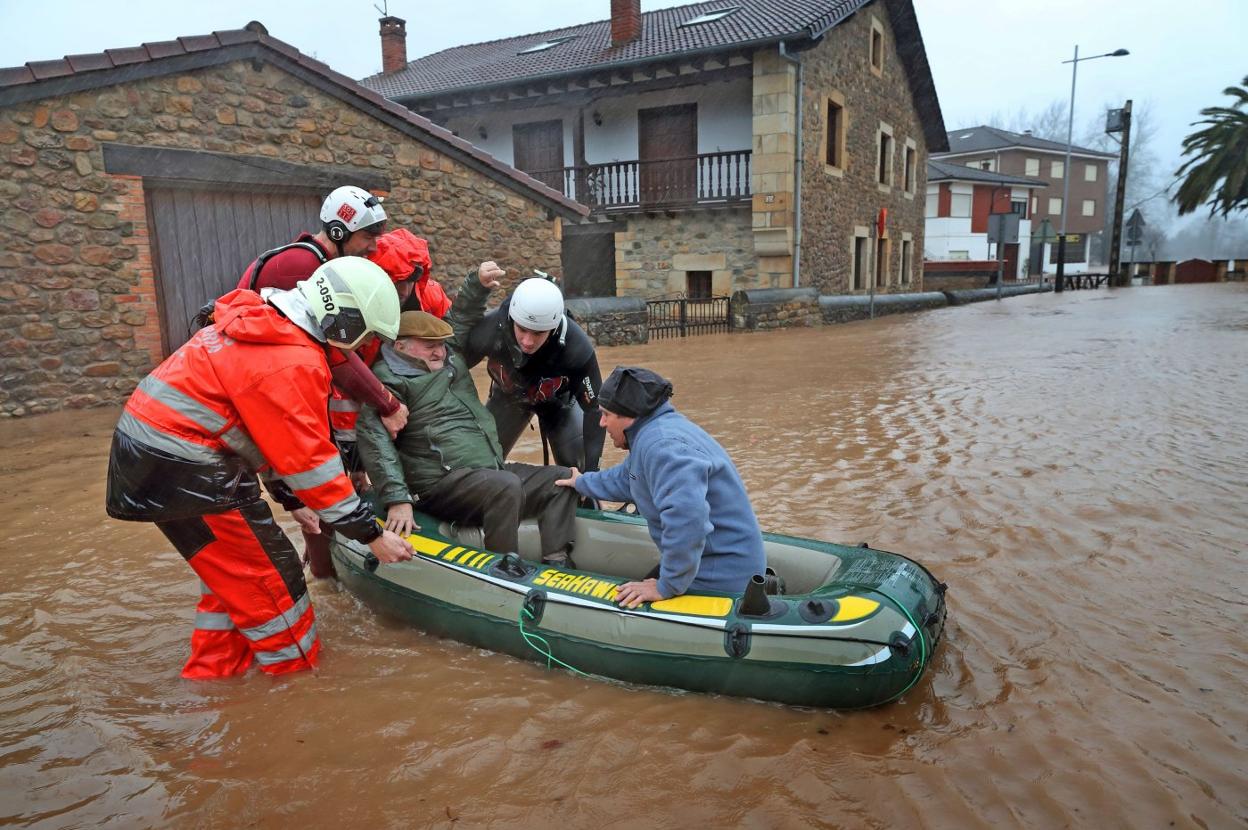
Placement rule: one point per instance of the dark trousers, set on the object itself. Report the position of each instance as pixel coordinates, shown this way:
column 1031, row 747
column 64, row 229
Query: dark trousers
column 560, row 420
column 498, row 499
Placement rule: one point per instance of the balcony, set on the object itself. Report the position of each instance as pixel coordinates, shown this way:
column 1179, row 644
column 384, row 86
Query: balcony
column 703, row 180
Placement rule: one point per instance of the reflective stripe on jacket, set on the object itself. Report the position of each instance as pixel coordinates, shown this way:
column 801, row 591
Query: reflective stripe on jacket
column 343, row 413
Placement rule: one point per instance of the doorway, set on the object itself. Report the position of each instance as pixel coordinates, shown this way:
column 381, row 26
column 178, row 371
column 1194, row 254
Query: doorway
column 668, row 149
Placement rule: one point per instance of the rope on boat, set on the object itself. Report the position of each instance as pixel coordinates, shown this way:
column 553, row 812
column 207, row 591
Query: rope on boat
column 923, row 652
column 544, row 648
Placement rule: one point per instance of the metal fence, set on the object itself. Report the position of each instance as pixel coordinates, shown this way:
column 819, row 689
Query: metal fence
column 683, row 316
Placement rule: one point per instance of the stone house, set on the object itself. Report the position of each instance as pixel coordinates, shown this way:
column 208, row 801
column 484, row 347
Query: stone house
column 1022, row 154
column 724, row 145
column 137, row 183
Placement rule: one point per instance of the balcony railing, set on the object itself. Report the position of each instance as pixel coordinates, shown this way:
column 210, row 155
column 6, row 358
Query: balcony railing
column 704, row 179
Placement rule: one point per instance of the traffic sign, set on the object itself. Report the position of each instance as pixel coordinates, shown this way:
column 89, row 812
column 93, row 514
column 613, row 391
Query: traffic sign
column 1135, row 228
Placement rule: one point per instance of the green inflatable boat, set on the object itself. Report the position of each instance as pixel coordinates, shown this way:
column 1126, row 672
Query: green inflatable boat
column 855, row 627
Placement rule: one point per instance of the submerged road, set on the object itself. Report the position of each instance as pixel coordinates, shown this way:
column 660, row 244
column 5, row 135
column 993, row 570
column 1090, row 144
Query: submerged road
column 1075, row 467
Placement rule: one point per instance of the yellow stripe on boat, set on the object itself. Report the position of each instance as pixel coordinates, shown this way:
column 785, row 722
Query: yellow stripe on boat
column 855, row 608
column 695, row 605
column 427, row 546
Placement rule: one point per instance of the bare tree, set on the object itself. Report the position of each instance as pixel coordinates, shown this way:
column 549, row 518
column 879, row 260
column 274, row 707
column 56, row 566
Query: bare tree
column 1049, row 122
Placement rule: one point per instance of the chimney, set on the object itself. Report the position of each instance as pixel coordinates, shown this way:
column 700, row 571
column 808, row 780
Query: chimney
column 393, row 44
column 625, row 21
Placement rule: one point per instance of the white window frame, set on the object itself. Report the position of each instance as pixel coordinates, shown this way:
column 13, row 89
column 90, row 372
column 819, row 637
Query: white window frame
column 955, row 198
column 1031, row 167
column 1057, row 169
column 1055, row 205
column 1090, row 173
column 1088, row 208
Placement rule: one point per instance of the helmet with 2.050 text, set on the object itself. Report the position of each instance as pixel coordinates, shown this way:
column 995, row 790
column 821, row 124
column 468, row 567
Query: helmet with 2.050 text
column 351, row 298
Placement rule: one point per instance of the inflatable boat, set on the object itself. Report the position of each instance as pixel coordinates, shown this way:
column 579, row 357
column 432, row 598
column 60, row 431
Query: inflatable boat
column 853, row 626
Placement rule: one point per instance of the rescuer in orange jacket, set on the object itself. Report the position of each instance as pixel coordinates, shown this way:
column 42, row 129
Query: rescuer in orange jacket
column 247, row 396
column 405, row 257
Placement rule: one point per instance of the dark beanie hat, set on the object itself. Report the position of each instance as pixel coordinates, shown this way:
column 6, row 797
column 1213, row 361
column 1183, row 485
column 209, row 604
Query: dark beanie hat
column 633, row 392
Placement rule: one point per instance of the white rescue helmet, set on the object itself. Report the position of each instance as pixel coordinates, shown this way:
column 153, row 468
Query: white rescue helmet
column 351, row 297
column 349, row 209
column 537, row 305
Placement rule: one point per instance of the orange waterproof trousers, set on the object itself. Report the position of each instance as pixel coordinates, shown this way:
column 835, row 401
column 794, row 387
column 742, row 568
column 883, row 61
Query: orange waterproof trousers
column 254, row 603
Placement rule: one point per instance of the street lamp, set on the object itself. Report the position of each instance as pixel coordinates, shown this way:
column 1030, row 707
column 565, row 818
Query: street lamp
column 1070, row 130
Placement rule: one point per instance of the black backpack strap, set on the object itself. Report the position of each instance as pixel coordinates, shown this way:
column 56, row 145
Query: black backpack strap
column 267, row 255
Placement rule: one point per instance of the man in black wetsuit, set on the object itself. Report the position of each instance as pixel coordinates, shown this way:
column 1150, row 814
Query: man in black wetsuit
column 541, row 363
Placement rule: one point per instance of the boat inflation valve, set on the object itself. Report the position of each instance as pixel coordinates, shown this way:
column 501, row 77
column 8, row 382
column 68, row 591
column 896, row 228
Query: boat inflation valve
column 371, row 562
column 533, row 607
column 818, row 610
column 756, row 603
column 510, row 566
column 773, row 583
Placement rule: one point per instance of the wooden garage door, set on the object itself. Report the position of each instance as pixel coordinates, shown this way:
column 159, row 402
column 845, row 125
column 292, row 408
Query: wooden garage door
column 203, row 238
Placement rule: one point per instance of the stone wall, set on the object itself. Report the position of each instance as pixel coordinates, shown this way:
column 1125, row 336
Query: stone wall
column 612, row 321
column 656, row 251
column 78, row 306
column 774, row 153
column 837, row 201
column 775, row 308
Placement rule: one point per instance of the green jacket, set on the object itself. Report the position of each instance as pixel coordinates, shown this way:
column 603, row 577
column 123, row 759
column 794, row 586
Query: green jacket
column 448, row 428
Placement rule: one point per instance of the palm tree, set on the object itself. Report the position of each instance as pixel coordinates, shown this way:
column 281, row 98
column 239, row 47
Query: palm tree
column 1217, row 173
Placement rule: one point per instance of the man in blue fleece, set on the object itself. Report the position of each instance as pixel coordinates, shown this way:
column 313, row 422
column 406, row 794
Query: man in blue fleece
column 684, row 485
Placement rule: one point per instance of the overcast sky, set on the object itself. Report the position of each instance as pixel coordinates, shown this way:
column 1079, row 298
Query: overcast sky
column 987, row 56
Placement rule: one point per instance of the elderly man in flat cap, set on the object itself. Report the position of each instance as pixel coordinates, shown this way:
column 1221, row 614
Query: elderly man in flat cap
column 448, row 459
column 684, row 485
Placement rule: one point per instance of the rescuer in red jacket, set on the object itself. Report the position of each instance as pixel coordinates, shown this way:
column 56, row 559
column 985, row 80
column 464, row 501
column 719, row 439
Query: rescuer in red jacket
column 247, row 396
column 352, row 220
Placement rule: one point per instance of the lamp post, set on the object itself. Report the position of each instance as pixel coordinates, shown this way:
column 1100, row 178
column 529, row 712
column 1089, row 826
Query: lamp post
column 1059, row 283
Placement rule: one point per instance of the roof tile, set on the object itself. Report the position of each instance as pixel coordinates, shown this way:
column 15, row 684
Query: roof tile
column 130, row 54
column 50, row 69
column 232, row 37
column 86, row 63
column 164, row 49
column 16, row 75
column 198, row 43
column 983, row 137
column 501, row 61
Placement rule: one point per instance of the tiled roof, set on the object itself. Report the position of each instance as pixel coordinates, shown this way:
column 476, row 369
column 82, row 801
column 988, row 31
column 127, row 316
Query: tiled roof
column 978, row 139
column 79, row 72
column 754, row 22
column 938, row 171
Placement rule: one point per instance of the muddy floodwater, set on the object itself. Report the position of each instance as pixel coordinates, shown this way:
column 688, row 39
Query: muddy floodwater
column 1075, row 467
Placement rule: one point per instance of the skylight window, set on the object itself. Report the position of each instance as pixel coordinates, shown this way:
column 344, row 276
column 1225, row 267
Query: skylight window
column 546, row 44
column 710, row 17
